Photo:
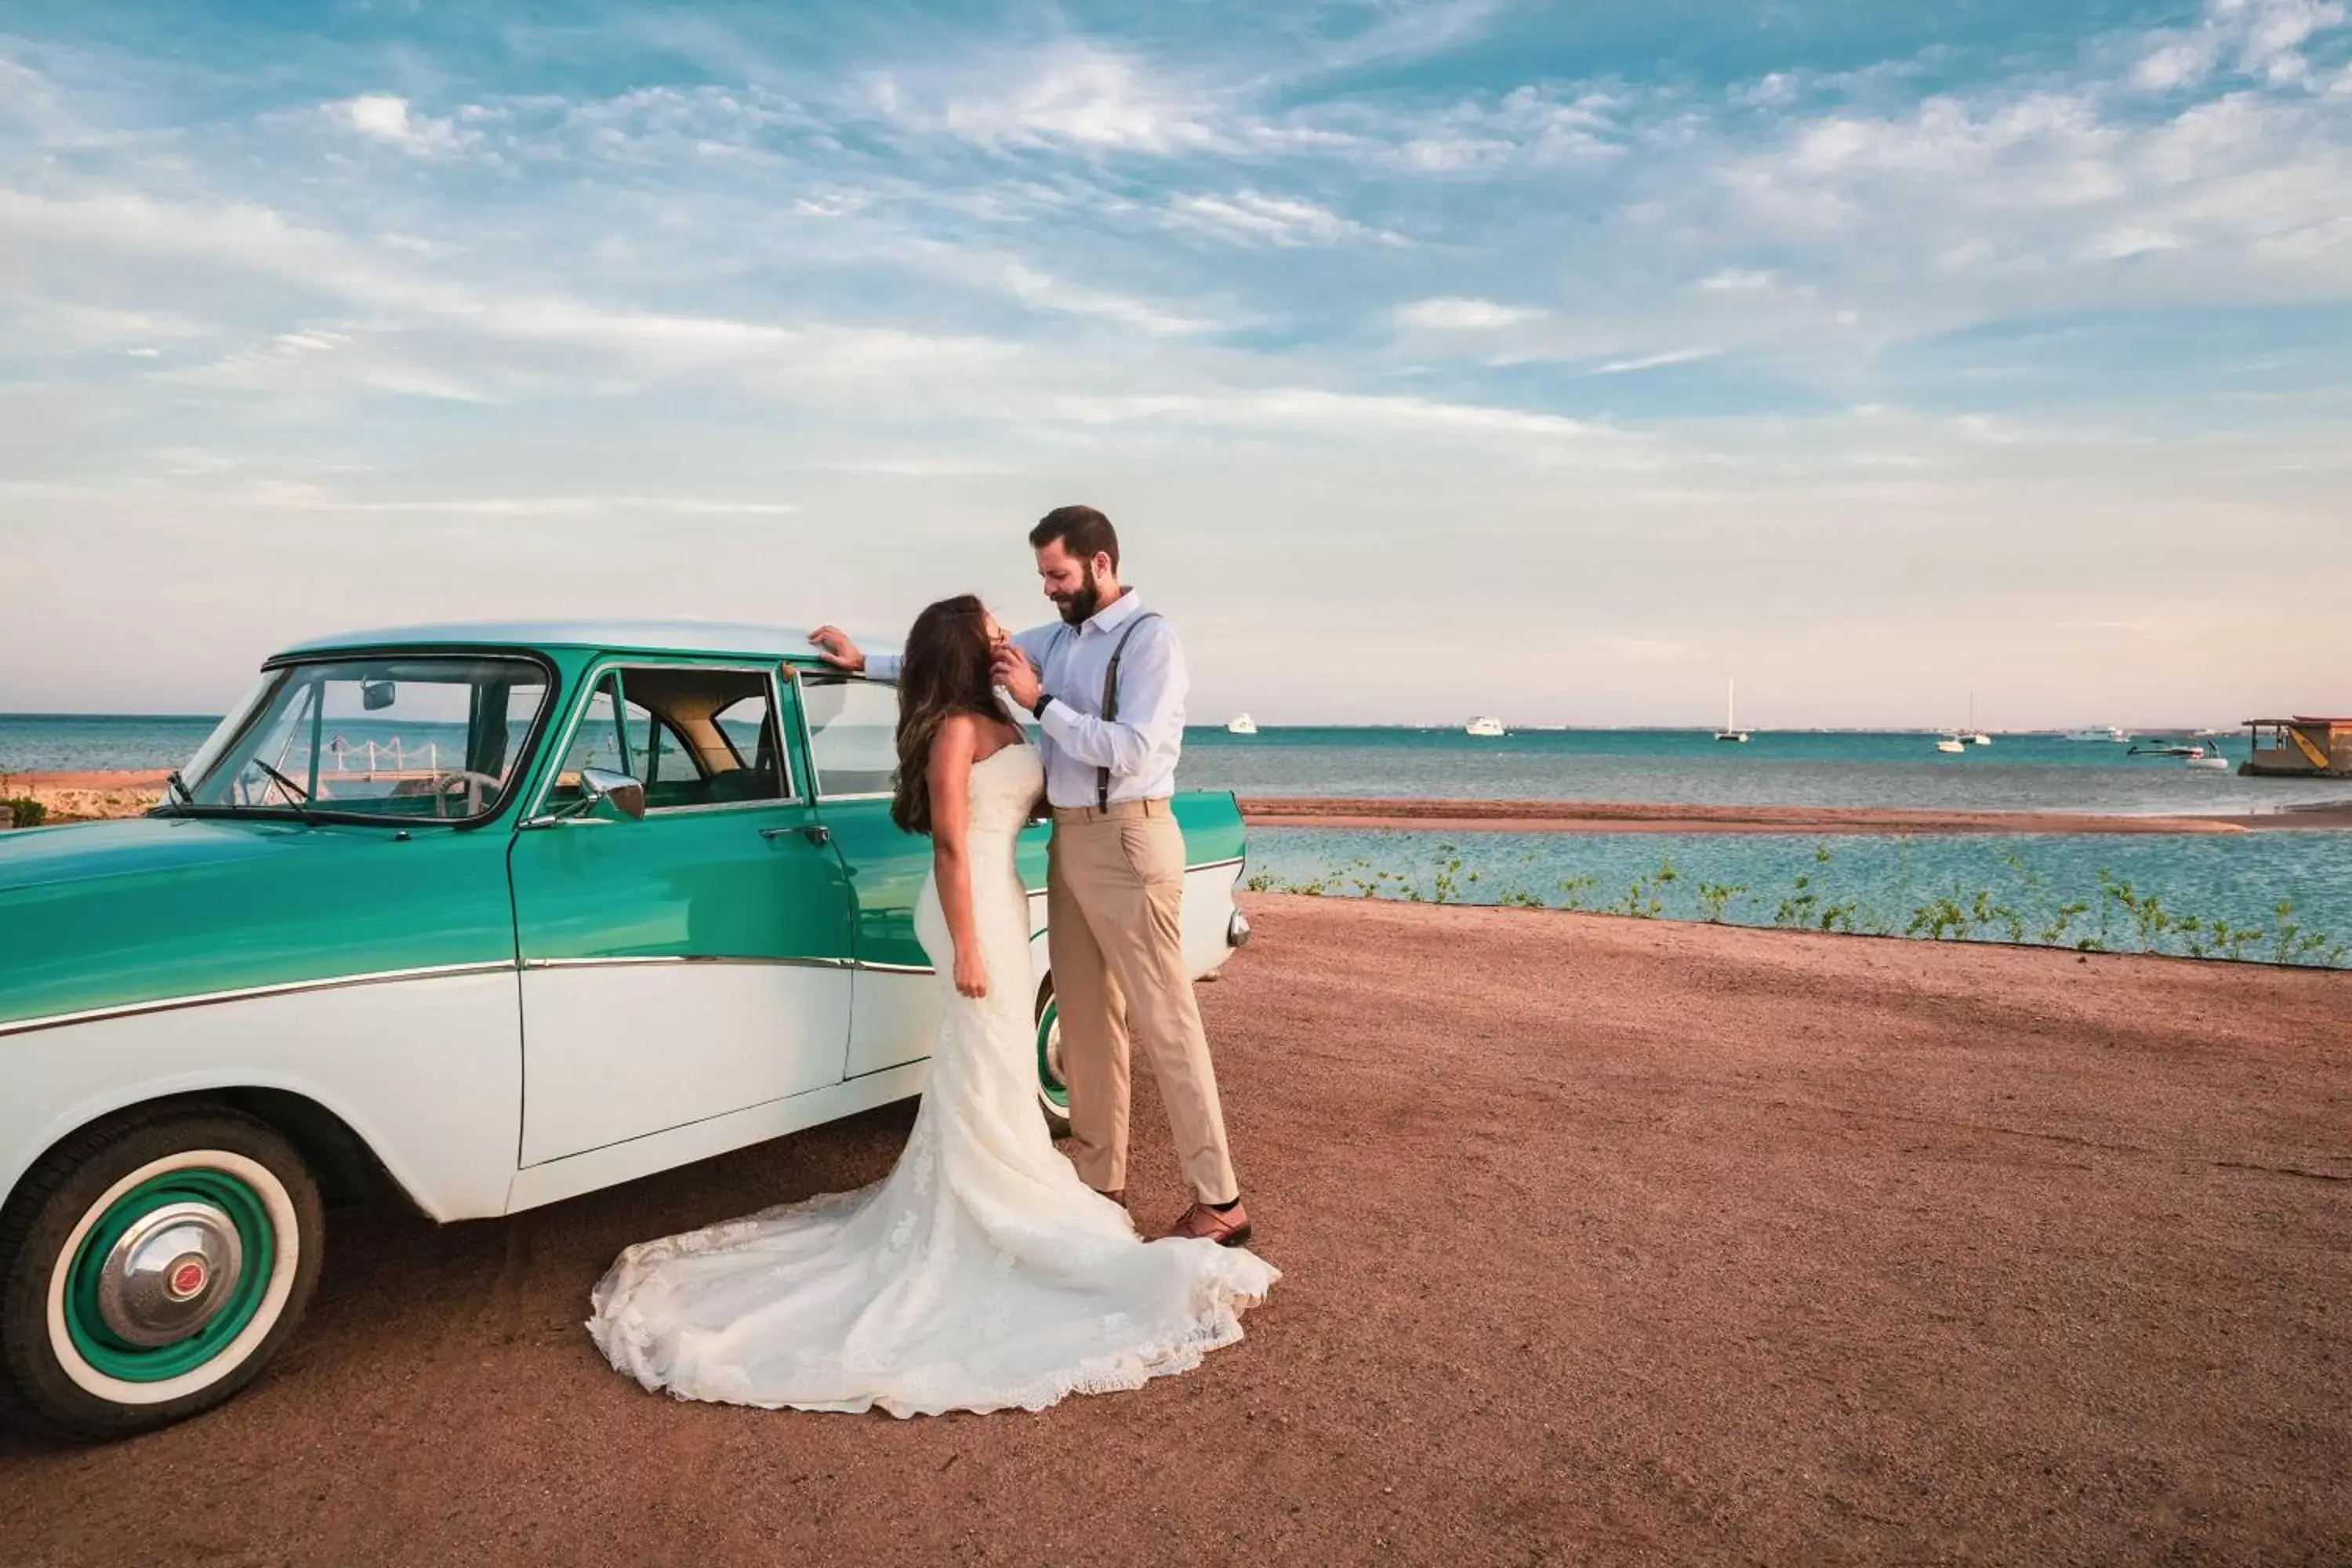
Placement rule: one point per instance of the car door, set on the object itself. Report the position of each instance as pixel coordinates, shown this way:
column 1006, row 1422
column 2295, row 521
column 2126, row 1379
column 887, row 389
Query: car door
column 852, row 726
column 692, row 962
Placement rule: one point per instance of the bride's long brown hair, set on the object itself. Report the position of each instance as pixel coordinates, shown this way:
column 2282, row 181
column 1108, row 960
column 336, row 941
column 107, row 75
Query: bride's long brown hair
column 947, row 668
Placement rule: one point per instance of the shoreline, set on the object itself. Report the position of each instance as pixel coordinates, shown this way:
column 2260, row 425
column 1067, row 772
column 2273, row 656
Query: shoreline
column 97, row 795
column 1424, row 815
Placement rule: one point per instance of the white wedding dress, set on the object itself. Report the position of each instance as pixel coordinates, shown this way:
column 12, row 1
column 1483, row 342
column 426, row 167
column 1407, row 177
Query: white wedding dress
column 981, row 1274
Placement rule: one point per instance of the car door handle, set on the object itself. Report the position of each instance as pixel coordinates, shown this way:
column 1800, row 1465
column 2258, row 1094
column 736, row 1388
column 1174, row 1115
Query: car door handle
column 816, row 833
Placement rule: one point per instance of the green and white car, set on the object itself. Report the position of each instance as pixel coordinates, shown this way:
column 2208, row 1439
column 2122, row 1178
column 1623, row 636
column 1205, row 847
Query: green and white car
column 484, row 916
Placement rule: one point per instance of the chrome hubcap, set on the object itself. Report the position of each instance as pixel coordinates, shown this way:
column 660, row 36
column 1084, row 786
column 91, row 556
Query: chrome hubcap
column 170, row 1274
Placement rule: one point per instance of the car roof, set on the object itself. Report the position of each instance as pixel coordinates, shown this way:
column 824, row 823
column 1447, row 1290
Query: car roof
column 635, row 636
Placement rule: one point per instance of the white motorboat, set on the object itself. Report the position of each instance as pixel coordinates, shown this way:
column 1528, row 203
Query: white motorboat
column 2109, row 733
column 2212, row 761
column 1484, row 727
column 1731, row 729
column 1952, row 744
column 1243, row 724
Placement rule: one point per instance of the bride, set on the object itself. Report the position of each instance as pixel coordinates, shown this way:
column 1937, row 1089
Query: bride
column 981, row 1274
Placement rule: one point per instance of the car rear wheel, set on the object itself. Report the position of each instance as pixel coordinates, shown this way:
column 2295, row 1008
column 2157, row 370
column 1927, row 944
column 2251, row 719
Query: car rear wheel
column 150, row 1267
column 1053, row 1088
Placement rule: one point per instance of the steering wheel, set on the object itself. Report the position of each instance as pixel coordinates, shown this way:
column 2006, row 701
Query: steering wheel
column 446, row 785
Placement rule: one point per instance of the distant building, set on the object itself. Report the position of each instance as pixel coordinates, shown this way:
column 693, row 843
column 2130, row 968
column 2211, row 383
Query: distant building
column 2300, row 748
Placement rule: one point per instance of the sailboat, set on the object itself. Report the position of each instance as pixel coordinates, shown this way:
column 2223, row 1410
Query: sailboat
column 1243, row 724
column 1975, row 737
column 1731, row 729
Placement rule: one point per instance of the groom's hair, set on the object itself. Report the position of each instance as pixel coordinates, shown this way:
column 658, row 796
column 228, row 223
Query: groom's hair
column 1083, row 532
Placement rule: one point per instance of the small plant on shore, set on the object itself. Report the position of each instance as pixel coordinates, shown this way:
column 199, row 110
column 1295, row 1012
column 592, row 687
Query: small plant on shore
column 1714, row 896
column 22, row 811
column 1641, row 899
column 1797, row 908
column 1939, row 919
column 1573, row 889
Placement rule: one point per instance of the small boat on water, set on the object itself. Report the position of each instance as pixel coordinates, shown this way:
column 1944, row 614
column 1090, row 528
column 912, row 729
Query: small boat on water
column 1243, row 724
column 2110, row 733
column 2212, row 761
column 1972, row 735
column 1484, row 727
column 1731, row 730
column 1951, row 744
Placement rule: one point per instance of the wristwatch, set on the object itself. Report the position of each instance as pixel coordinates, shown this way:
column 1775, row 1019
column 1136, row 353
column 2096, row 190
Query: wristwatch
column 1037, row 709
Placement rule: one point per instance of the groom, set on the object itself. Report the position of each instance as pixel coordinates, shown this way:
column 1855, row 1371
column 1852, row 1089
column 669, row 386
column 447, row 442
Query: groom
column 1107, row 686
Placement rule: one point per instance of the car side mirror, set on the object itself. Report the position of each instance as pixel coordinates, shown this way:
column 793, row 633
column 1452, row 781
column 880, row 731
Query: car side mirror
column 377, row 695
column 610, row 797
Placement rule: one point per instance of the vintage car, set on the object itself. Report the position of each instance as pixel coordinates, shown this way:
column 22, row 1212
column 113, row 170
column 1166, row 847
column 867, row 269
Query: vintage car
column 484, row 916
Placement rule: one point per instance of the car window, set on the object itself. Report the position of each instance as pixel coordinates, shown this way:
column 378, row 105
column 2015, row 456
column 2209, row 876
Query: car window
column 701, row 737
column 658, row 752
column 595, row 743
column 853, row 733
column 390, row 736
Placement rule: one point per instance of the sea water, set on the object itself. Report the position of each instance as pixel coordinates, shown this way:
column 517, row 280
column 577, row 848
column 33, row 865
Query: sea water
column 1868, row 882
column 2111, row 892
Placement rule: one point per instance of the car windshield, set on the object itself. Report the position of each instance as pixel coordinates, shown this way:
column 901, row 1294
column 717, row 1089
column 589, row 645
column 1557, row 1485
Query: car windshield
column 395, row 737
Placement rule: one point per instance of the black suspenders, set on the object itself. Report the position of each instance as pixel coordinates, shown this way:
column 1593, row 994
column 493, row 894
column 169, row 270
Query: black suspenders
column 1110, row 701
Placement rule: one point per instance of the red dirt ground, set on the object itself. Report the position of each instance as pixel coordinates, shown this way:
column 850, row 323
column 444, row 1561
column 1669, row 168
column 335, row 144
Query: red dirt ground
column 1606, row 1241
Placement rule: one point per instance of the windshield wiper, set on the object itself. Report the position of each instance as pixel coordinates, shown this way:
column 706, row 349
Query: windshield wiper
column 295, row 795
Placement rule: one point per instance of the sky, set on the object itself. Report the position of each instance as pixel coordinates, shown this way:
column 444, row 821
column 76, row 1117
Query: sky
column 1555, row 361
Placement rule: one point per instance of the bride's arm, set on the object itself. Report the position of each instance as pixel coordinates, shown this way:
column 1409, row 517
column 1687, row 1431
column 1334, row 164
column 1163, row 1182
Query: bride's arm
column 951, row 785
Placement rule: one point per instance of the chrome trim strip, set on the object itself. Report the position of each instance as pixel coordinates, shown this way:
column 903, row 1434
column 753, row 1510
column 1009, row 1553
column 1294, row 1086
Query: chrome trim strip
column 623, row 959
column 208, row 998
column 1219, row 865
column 894, row 968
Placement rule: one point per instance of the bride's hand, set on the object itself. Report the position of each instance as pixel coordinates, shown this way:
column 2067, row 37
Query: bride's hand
column 971, row 975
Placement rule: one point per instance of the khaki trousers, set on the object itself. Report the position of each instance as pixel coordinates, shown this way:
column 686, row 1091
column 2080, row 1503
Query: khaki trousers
column 1114, row 903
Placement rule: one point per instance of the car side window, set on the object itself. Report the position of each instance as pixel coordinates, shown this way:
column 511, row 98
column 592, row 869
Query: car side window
column 595, row 743
column 853, row 733
column 701, row 738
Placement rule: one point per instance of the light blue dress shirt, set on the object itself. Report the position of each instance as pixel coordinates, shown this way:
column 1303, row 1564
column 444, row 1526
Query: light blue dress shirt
column 1141, row 746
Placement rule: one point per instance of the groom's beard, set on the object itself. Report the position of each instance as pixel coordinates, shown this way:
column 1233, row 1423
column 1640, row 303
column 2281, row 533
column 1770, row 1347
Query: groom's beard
column 1078, row 606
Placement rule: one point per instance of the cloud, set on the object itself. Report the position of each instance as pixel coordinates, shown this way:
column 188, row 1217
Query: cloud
column 1073, row 93
column 1464, row 315
column 384, row 117
column 1252, row 217
column 1654, row 362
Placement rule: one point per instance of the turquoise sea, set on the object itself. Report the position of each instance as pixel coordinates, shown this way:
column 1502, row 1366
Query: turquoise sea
column 1869, row 883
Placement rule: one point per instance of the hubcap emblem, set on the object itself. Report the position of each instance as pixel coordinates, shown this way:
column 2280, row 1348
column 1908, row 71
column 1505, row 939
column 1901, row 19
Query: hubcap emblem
column 188, row 1278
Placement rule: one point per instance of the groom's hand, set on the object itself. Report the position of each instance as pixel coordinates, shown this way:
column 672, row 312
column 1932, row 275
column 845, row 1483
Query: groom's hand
column 833, row 646
column 1019, row 679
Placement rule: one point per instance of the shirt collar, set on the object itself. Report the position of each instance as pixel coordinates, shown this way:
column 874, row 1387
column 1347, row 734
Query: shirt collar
column 1115, row 613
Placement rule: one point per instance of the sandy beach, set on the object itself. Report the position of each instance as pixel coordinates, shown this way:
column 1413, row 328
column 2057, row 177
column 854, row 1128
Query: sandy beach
column 1605, row 1240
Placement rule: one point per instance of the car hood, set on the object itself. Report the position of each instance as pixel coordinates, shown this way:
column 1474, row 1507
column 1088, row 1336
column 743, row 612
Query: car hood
column 139, row 845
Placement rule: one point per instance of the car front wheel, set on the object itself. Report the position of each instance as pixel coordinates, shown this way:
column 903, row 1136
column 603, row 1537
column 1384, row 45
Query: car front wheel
column 150, row 1267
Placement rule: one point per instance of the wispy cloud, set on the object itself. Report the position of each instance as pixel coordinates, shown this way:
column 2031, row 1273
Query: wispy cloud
column 1464, row 315
column 1254, row 217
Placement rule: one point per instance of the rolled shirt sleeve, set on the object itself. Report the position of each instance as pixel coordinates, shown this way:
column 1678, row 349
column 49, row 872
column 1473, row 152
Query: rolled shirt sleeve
column 883, row 667
column 1150, row 729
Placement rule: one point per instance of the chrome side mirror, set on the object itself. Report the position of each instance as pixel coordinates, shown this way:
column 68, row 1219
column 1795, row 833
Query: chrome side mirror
column 610, row 797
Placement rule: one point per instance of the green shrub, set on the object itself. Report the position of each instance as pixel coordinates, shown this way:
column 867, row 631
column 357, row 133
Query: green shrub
column 23, row 811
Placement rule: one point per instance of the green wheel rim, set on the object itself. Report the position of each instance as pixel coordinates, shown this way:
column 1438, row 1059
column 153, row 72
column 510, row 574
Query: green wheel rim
column 105, row 1351
column 1055, row 1093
